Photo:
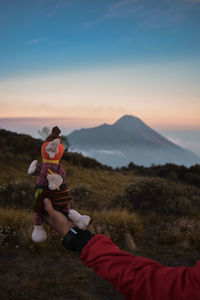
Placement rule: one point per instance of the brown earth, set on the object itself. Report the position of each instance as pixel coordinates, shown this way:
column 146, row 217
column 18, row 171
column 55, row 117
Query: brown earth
column 35, row 274
column 46, row 276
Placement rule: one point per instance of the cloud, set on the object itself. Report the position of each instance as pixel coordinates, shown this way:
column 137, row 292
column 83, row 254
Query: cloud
column 35, row 41
column 110, row 152
column 120, row 5
column 57, row 43
column 192, row 1
column 149, row 9
column 58, row 5
column 122, row 8
column 189, row 143
column 147, row 14
column 164, row 13
column 94, row 152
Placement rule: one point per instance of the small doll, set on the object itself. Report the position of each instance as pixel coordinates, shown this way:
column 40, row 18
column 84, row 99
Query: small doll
column 51, row 183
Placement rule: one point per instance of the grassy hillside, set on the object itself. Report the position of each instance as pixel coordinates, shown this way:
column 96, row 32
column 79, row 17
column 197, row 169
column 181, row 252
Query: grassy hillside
column 92, row 184
column 153, row 212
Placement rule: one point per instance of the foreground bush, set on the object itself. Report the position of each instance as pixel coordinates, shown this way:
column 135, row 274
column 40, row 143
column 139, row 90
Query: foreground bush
column 176, row 231
column 117, row 224
column 160, row 196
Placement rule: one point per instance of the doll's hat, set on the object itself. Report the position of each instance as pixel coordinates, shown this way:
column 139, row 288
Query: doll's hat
column 52, row 149
column 54, row 135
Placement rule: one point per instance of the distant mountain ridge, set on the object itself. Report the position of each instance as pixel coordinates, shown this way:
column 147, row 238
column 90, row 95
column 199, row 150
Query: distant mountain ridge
column 129, row 139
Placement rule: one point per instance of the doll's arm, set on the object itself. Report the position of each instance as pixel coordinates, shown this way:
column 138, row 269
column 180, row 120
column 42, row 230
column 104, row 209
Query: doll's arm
column 34, row 168
column 55, row 180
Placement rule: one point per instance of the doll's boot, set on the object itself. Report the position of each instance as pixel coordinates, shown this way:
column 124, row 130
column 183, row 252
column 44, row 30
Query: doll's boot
column 81, row 221
column 39, row 234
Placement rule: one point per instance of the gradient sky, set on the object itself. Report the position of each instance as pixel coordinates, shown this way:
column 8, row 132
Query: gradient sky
column 90, row 62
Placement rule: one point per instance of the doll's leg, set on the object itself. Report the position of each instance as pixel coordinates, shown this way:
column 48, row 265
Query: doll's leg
column 39, row 234
column 81, row 221
column 37, row 219
column 65, row 211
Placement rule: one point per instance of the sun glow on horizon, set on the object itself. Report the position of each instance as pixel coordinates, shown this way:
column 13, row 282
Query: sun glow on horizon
column 96, row 96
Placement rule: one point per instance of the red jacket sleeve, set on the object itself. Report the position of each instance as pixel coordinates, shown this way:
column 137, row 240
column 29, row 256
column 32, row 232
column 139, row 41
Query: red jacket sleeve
column 140, row 278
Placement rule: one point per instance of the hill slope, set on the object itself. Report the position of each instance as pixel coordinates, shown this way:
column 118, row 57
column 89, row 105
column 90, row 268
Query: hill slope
column 103, row 193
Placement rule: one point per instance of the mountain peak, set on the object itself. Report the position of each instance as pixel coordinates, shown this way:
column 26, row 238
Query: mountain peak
column 128, row 118
column 129, row 121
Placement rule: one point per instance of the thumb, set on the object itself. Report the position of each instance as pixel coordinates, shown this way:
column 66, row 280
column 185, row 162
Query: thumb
column 48, row 206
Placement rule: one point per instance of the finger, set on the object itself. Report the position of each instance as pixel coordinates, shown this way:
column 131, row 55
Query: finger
column 53, row 215
column 48, row 206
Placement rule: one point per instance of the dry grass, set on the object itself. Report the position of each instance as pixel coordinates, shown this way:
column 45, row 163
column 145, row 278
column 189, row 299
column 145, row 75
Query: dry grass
column 115, row 224
column 16, row 218
column 182, row 229
column 14, row 172
column 103, row 184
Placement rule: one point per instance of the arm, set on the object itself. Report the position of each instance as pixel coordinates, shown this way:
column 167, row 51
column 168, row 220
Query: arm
column 135, row 277
column 140, row 278
column 34, row 168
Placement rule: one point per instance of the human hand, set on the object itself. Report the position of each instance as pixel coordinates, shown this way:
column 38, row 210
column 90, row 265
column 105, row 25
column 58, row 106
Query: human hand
column 56, row 219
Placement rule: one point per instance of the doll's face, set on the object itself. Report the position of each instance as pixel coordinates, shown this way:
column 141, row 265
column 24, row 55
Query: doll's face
column 52, row 150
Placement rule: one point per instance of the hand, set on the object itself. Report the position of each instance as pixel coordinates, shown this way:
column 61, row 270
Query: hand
column 56, row 219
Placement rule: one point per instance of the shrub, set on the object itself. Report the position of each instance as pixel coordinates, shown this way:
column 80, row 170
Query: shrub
column 17, row 194
column 163, row 197
column 21, row 146
column 169, row 171
column 116, row 224
column 179, row 230
column 82, row 197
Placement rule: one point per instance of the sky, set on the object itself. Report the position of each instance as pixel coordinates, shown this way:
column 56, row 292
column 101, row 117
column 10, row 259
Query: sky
column 82, row 63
